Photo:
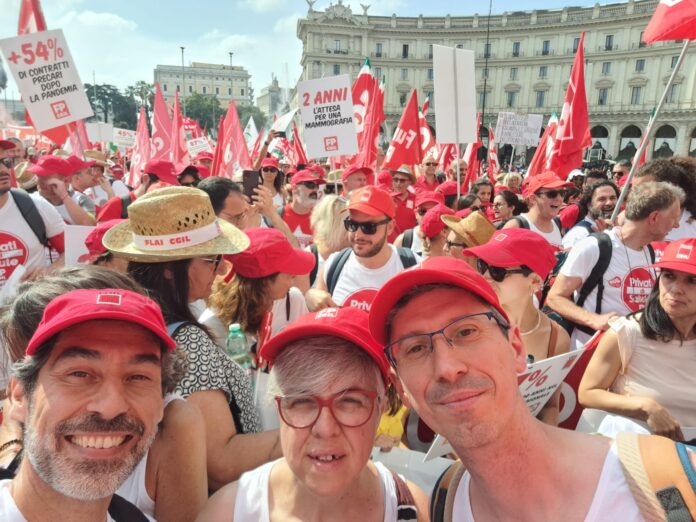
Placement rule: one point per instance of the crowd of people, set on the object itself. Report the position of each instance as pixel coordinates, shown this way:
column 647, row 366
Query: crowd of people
column 377, row 307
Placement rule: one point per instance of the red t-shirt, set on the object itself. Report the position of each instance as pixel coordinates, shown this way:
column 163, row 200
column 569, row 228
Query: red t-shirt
column 112, row 209
column 569, row 216
column 422, row 185
column 405, row 215
column 299, row 225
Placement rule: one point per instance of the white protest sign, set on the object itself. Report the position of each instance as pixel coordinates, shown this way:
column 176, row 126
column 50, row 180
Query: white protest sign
column 196, row 145
column 123, row 138
column 326, row 109
column 100, row 132
column 455, row 95
column 47, row 78
column 76, row 252
column 282, row 123
column 518, row 129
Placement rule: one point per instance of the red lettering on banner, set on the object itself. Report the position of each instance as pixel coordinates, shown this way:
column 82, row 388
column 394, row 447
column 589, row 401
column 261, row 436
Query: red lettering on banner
column 154, row 242
column 636, row 288
column 329, row 96
column 179, row 240
column 305, row 99
column 13, row 252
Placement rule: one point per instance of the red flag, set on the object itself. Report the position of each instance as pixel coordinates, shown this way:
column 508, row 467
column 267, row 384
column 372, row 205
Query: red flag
column 446, row 155
column 234, row 155
column 192, row 127
column 405, row 146
column 217, row 157
column 573, row 133
column 493, row 165
column 31, row 17
column 426, row 106
column 471, row 157
column 673, row 20
column 367, row 151
column 257, row 145
column 362, row 93
column 161, row 128
column 427, row 138
column 78, row 138
column 141, row 150
column 178, row 138
column 543, row 150
column 299, row 149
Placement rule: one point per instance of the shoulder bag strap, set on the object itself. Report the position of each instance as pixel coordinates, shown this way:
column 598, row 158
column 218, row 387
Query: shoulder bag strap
column 408, row 259
column 336, row 268
column 121, row 510
column 313, row 274
column 31, row 214
column 407, row 240
column 405, row 504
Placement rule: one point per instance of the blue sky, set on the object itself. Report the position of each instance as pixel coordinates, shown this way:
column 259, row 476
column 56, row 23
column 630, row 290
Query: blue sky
column 121, row 41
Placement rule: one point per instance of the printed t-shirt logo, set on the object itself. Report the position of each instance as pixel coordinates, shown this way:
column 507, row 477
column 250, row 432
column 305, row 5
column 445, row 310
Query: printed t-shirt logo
column 615, row 282
column 636, row 288
column 13, row 252
column 361, row 299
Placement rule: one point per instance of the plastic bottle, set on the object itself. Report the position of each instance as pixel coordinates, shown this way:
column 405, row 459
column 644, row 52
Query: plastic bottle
column 237, row 347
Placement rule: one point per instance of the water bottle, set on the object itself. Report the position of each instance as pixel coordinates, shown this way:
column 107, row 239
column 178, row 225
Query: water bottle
column 237, row 348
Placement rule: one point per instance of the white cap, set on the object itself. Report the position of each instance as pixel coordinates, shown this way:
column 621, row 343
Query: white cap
column 574, row 174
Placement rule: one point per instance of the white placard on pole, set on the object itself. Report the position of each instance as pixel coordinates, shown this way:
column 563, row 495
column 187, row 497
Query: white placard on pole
column 455, row 95
column 100, row 132
column 75, row 250
column 47, row 79
column 123, row 138
column 196, row 145
column 281, row 124
column 518, row 129
column 326, row 110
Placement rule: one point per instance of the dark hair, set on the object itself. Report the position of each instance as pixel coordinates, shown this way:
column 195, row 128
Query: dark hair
column 481, row 183
column 512, row 200
column 586, row 199
column 570, row 192
column 218, row 189
column 450, row 201
column 655, row 323
column 624, row 163
column 278, row 181
column 674, row 171
column 596, row 174
column 466, row 201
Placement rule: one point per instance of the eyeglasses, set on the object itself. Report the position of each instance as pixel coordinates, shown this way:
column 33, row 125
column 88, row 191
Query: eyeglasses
column 215, row 261
column 350, row 408
column 189, row 184
column 7, row 162
column 449, row 244
column 431, row 164
column 309, row 184
column 499, row 205
column 234, row 219
column 475, row 209
column 463, row 332
column 499, row 274
column 269, row 169
column 401, row 180
column 551, row 194
column 367, row 227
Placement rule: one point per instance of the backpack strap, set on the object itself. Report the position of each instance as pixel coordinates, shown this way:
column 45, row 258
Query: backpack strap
column 121, row 510
column 31, row 215
column 522, row 221
column 651, row 252
column 407, row 240
column 405, row 504
column 585, row 224
column 287, row 306
column 441, row 502
column 335, row 269
column 313, row 274
column 125, row 203
column 596, row 277
column 659, row 475
column 557, row 221
column 408, row 258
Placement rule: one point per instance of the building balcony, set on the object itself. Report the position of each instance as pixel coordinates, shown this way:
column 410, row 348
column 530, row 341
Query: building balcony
column 337, row 51
column 485, row 56
column 518, row 54
column 376, row 54
column 604, row 48
column 547, row 52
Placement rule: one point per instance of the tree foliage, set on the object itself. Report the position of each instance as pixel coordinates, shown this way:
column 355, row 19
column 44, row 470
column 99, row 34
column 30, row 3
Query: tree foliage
column 108, row 102
column 245, row 111
column 205, row 109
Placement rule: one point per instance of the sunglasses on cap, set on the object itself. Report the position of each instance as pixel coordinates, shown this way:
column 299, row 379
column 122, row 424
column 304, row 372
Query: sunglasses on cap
column 550, row 194
column 497, row 273
column 367, row 228
column 309, row 184
column 269, row 169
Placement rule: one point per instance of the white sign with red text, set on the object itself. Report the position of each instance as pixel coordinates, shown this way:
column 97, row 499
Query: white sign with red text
column 326, row 110
column 123, row 138
column 47, row 78
column 196, row 145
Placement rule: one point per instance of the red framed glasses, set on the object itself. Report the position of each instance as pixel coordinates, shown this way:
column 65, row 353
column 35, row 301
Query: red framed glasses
column 350, row 408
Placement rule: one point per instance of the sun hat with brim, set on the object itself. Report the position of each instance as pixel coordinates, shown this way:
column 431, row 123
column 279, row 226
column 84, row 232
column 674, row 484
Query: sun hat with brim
column 517, row 247
column 441, row 269
column 171, row 224
column 269, row 253
column 49, row 165
column 26, row 180
column 97, row 156
column 350, row 324
column 474, row 229
column 406, row 170
column 334, row 177
column 679, row 255
column 79, row 306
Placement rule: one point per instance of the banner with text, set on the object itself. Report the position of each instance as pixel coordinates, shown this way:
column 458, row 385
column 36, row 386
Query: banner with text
column 124, row 138
column 518, row 129
column 326, row 110
column 197, row 145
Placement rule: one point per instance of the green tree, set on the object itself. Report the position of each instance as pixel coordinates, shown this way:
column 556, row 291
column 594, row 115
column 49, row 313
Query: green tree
column 144, row 95
column 246, row 111
column 107, row 101
column 205, row 109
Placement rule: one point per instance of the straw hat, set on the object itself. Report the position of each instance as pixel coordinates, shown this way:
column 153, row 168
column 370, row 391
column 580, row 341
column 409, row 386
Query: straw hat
column 474, row 229
column 27, row 180
column 171, row 224
column 97, row 156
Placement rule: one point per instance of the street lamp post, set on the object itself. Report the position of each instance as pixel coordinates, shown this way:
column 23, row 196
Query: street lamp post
column 231, row 77
column 183, row 81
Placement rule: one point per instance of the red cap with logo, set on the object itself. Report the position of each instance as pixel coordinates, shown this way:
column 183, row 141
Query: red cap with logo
column 544, row 180
column 306, row 175
column 431, row 224
column 348, row 323
column 203, row 155
column 679, row 255
column 77, row 164
column 352, row 169
column 93, row 241
column 516, row 247
column 164, row 170
column 270, row 162
column 7, row 144
column 80, row 306
column 429, row 196
column 269, row 253
column 372, row 201
column 441, row 269
column 49, row 165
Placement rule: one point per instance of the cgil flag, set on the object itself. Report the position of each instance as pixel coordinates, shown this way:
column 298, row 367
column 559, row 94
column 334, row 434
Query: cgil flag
column 374, row 116
column 405, row 147
column 251, row 133
column 300, row 155
column 673, row 20
column 179, row 152
column 31, row 17
column 161, row 127
column 543, row 150
column 493, row 164
column 471, row 157
column 362, row 92
column 141, row 151
column 234, row 155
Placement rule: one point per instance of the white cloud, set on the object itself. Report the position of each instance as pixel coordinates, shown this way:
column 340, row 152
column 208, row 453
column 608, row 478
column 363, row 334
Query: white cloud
column 260, row 6
column 287, row 26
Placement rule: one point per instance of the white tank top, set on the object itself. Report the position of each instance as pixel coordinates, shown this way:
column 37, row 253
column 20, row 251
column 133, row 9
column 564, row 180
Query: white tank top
column 554, row 238
column 251, row 502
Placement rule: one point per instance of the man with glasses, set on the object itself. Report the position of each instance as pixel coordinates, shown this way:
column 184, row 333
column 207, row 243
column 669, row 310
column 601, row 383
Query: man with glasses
column 305, row 196
column 543, row 193
column 351, row 277
column 620, row 169
column 427, row 182
column 456, row 365
column 404, row 199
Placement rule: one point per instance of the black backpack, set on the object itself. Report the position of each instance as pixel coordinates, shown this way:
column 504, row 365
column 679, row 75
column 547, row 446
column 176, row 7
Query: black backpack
column 313, row 274
column 407, row 240
column 408, row 259
column 31, row 215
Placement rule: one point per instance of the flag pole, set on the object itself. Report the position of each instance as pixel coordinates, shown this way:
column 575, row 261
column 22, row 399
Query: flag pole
column 651, row 123
column 456, row 123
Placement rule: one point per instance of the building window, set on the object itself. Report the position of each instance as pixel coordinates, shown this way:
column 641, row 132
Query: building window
column 429, row 75
column 609, row 42
column 241, row 92
column 602, row 96
column 178, row 89
column 404, row 51
column 515, row 48
column 217, row 90
column 337, row 45
column 164, row 87
column 543, row 71
column 378, row 50
column 640, row 65
column 404, row 74
column 203, row 89
column 484, row 73
column 430, row 51
column 460, row 46
column 482, row 99
column 378, row 73
column 641, row 43
column 337, row 69
column 576, row 44
column 546, row 47
column 190, row 89
column 513, row 73
column 673, row 93
column 540, row 99
column 511, row 99
column 606, row 68
column 402, row 99
column 229, row 92
column 487, row 50
column 635, row 95
column 673, row 64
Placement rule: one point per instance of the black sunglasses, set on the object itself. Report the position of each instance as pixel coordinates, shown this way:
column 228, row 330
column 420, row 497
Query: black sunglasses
column 451, row 244
column 423, row 211
column 269, row 169
column 7, row 162
column 309, row 184
column 368, row 228
column 431, row 164
column 497, row 273
column 551, row 194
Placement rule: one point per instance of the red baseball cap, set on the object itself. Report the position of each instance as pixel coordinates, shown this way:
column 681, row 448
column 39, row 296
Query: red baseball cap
column 48, row 165
column 270, row 252
column 203, row 171
column 80, row 306
column 679, row 255
column 440, row 269
column 7, row 144
column 372, row 201
column 546, row 179
column 306, row 175
column 347, row 323
column 448, row 188
column 270, row 162
column 318, row 169
column 77, row 164
column 93, row 241
column 385, row 178
column 352, row 169
column 429, row 196
column 431, row 224
column 515, row 247
column 203, row 155
column 164, row 170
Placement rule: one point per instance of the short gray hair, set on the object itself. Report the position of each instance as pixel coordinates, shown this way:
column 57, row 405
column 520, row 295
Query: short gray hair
column 652, row 196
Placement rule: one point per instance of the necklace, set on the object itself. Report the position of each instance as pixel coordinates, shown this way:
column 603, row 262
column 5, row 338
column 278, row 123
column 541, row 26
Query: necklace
column 628, row 257
column 535, row 327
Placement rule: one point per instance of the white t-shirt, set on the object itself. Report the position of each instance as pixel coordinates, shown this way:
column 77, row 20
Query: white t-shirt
column 18, row 244
column 686, row 228
column 358, row 285
column 8, row 509
column 627, row 281
column 554, row 237
column 99, row 195
column 298, row 307
column 613, row 499
column 577, row 233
